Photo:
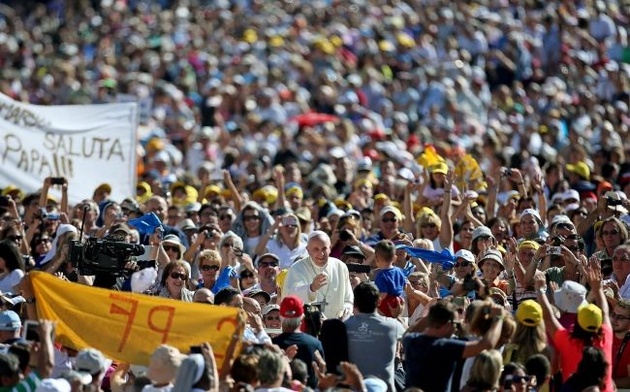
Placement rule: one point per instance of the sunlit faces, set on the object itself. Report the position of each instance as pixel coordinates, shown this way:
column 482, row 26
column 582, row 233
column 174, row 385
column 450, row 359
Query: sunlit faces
column 529, row 225
column 621, row 263
column 620, row 319
column 319, row 250
column 526, row 255
column 491, row 269
column 611, row 235
column 176, row 279
column 272, row 319
column 252, row 220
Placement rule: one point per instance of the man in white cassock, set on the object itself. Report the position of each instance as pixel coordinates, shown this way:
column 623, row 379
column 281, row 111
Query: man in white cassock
column 321, row 279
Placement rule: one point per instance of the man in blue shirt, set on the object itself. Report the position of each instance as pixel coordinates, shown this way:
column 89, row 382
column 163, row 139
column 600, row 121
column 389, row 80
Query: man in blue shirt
column 431, row 356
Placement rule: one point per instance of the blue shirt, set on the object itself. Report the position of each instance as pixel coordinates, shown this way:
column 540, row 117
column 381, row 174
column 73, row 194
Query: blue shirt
column 391, row 281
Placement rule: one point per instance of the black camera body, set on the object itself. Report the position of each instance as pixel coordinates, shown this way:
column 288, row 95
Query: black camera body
column 470, row 284
column 613, row 202
column 345, row 235
column 104, row 257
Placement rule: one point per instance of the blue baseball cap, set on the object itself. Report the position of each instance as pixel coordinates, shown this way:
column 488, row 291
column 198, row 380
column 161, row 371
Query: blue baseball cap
column 9, row 321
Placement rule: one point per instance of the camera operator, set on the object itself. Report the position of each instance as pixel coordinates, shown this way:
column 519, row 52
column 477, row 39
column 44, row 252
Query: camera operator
column 563, row 259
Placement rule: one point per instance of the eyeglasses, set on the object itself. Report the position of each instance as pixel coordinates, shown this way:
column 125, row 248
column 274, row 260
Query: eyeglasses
column 616, row 316
column 265, row 264
column 171, row 248
column 611, row 232
column 462, row 264
column 177, row 275
column 209, row 267
column 223, row 217
column 248, row 218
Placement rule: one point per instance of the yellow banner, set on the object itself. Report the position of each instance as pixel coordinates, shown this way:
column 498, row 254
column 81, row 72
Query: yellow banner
column 127, row 327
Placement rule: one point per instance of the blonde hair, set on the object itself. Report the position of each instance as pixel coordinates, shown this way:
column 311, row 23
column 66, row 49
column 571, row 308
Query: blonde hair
column 428, row 218
column 528, row 341
column 423, row 243
column 298, row 238
column 486, row 370
column 210, row 255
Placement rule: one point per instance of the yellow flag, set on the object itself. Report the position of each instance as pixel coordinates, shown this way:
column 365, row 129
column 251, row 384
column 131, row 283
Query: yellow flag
column 468, row 174
column 429, row 157
column 127, row 326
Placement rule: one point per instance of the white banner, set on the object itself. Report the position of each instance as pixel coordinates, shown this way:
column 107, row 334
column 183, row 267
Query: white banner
column 87, row 144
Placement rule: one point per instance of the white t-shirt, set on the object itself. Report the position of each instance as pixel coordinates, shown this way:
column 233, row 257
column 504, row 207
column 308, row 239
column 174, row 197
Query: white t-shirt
column 8, row 281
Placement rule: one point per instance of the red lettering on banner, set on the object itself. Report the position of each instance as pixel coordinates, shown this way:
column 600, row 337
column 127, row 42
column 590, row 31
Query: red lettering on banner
column 130, row 313
column 220, row 324
column 169, row 321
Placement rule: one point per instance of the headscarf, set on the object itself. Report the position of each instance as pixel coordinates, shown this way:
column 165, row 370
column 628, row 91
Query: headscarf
column 61, row 230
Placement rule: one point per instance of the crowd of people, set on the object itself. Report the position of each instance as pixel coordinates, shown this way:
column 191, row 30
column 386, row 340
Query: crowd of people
column 401, row 194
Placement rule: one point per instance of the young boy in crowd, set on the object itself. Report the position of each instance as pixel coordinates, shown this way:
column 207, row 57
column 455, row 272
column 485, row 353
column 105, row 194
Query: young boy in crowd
column 390, row 279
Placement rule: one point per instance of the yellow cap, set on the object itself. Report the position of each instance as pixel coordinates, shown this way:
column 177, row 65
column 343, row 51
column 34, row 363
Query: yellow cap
column 589, row 317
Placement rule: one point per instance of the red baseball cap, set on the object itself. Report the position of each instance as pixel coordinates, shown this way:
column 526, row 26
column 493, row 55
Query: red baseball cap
column 291, row 307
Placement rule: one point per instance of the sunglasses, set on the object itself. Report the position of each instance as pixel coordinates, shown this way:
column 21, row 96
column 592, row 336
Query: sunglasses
column 462, row 264
column 43, row 241
column 248, row 218
column 389, row 220
column 171, row 248
column 268, row 264
column 290, row 226
column 209, row 267
column 224, row 217
column 516, row 380
column 612, row 232
column 566, row 226
column 247, row 275
column 177, row 275
column 15, row 238
column 273, row 318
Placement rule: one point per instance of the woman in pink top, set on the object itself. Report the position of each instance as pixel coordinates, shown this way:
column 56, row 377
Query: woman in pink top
column 592, row 328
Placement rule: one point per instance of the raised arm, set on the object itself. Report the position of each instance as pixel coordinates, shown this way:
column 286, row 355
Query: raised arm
column 278, row 177
column 234, row 192
column 408, row 223
column 446, row 232
column 261, row 247
column 490, row 339
column 43, row 197
column 46, row 358
column 593, row 273
column 64, row 197
column 551, row 323
column 493, row 189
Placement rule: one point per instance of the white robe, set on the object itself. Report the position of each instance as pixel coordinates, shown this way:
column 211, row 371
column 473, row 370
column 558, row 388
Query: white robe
column 337, row 293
